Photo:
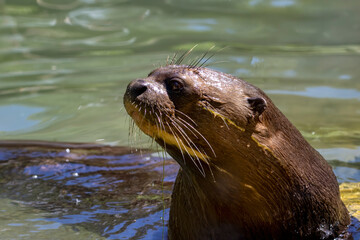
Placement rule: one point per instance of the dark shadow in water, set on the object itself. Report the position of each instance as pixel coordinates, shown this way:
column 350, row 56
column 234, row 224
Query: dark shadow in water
column 354, row 228
column 113, row 191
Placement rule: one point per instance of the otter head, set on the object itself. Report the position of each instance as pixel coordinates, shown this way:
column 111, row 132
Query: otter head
column 199, row 116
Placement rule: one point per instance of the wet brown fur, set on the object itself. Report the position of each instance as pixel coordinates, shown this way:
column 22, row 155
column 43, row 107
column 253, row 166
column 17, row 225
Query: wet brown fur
column 260, row 180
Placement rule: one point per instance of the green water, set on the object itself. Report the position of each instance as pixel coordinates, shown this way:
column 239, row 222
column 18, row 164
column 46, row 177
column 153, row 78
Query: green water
column 64, row 64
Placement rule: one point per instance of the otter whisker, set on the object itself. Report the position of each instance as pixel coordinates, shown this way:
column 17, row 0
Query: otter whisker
column 153, row 111
column 206, row 159
column 184, row 55
column 173, row 58
column 191, row 143
column 177, row 111
column 188, row 139
column 142, row 119
column 128, row 123
column 158, row 124
column 161, row 127
column 152, row 138
column 187, row 125
column 177, row 139
column 193, row 63
column 135, row 133
column 131, row 133
column 202, row 58
column 144, row 111
column 184, row 134
column 201, row 65
column 190, row 156
column 189, row 129
column 180, row 59
column 179, row 128
column 131, row 128
column 167, row 60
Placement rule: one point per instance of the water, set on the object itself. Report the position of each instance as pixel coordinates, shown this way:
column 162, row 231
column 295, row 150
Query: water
column 83, row 192
column 64, row 66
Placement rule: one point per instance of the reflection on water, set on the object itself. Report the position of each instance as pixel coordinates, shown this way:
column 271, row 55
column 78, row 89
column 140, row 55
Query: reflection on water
column 322, row 92
column 92, row 191
column 17, row 117
column 65, row 64
column 342, row 154
column 345, row 162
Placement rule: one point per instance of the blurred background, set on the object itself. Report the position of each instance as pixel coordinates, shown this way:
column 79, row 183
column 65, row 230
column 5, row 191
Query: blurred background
column 65, row 64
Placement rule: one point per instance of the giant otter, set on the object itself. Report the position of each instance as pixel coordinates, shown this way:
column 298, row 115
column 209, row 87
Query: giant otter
column 246, row 171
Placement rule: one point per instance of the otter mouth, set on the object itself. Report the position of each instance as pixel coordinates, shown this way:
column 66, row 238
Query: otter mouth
column 148, row 119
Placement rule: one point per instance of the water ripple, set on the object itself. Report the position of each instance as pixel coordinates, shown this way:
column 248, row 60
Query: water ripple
column 57, row 6
column 322, row 92
column 106, row 19
column 113, row 40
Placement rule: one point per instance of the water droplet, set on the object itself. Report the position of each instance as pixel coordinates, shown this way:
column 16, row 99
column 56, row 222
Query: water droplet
column 68, row 150
column 75, row 174
column 35, row 176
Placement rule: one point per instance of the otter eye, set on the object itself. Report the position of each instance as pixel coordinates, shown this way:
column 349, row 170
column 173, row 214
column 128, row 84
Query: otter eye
column 175, row 85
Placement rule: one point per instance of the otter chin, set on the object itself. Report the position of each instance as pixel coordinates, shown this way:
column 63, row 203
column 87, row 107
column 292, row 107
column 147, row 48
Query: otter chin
column 246, row 171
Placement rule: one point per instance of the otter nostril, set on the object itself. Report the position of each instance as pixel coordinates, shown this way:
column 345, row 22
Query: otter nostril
column 137, row 88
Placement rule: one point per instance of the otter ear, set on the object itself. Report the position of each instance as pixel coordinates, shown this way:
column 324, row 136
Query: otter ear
column 257, row 104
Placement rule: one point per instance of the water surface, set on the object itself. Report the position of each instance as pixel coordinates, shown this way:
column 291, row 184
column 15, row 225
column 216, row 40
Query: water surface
column 64, row 66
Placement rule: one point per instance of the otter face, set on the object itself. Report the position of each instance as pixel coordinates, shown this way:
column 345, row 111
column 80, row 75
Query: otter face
column 183, row 108
column 156, row 101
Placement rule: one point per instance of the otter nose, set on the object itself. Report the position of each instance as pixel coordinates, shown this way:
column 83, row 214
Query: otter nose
column 136, row 88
